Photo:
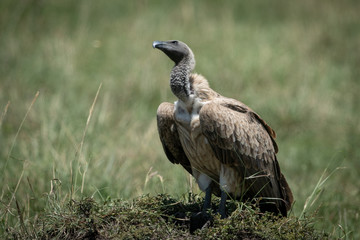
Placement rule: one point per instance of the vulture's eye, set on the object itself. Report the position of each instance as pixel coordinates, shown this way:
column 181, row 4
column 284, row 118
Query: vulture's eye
column 175, row 42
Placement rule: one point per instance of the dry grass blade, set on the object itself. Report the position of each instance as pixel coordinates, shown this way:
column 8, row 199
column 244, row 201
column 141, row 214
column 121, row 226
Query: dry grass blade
column 12, row 147
column 79, row 152
column 152, row 174
column 22, row 223
column 21, row 124
column 88, row 121
column 310, row 201
column 13, row 194
column 4, row 113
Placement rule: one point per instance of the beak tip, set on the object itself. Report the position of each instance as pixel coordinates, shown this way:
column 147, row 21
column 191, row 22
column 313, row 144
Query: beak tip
column 155, row 43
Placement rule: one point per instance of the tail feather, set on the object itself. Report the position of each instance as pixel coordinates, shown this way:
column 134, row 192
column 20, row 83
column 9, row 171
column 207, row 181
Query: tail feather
column 286, row 192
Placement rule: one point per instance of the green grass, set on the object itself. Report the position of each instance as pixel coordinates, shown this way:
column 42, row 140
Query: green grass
column 296, row 64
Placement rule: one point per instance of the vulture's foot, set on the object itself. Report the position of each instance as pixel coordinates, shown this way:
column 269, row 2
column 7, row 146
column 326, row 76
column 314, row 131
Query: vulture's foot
column 200, row 220
column 180, row 218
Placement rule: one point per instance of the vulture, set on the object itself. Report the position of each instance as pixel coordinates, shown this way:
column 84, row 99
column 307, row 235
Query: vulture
column 227, row 147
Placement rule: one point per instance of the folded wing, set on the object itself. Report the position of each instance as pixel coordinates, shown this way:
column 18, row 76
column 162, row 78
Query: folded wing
column 169, row 136
column 242, row 140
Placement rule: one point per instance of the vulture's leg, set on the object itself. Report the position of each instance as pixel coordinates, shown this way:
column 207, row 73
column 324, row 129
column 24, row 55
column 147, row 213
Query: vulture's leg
column 207, row 201
column 222, row 205
column 201, row 219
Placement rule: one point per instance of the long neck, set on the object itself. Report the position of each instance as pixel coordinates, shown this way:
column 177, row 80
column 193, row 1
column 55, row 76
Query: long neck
column 179, row 79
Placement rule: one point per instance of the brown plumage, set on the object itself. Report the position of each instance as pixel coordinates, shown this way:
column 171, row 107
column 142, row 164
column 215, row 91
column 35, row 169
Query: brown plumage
column 224, row 144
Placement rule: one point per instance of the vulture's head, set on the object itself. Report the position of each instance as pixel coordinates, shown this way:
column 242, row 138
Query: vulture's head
column 177, row 51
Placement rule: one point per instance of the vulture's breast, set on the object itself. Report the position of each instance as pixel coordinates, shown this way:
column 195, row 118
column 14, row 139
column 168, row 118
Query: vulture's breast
column 193, row 141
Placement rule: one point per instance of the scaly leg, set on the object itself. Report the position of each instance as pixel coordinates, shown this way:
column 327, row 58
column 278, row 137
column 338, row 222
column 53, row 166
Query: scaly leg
column 222, row 205
column 200, row 219
column 207, row 200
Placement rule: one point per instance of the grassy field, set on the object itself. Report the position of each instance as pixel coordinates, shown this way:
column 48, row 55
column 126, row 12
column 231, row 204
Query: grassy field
column 80, row 85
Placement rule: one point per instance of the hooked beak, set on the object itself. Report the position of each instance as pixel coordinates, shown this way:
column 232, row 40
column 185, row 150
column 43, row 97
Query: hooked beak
column 157, row 44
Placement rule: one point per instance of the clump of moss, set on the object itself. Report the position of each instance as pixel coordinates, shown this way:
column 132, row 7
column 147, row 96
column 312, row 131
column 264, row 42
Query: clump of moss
column 159, row 217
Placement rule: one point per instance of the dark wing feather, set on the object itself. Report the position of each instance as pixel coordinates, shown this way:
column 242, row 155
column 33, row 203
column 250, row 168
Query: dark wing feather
column 169, row 136
column 241, row 139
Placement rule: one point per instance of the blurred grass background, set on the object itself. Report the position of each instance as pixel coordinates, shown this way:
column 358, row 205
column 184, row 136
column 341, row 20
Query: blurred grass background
column 295, row 63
